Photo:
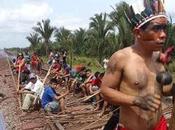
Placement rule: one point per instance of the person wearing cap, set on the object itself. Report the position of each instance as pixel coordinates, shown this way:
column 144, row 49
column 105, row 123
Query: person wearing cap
column 56, row 68
column 130, row 78
column 34, row 89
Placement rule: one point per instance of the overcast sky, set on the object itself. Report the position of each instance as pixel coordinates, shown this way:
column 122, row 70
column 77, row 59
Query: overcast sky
column 17, row 17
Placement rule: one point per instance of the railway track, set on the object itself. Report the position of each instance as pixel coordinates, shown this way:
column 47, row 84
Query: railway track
column 78, row 115
column 11, row 116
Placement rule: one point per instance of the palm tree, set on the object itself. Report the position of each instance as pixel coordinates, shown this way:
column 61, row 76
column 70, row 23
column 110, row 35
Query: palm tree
column 125, row 37
column 100, row 27
column 62, row 37
column 34, row 39
column 79, row 41
column 45, row 30
column 171, row 35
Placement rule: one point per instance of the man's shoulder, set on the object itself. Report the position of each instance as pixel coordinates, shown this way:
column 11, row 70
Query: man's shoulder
column 123, row 53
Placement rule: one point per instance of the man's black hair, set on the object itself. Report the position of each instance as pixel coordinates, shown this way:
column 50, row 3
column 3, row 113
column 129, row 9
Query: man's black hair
column 145, row 26
column 87, row 70
column 96, row 74
column 53, row 80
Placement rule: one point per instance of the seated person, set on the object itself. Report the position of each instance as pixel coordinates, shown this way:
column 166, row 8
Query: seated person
column 51, row 100
column 56, row 69
column 34, row 90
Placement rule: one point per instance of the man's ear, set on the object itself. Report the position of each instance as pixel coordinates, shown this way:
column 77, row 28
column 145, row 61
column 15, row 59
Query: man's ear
column 137, row 32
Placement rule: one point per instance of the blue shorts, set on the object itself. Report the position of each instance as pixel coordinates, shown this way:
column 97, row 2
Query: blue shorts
column 52, row 107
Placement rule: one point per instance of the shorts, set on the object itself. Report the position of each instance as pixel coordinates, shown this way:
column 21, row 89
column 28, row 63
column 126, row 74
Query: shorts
column 161, row 125
column 52, row 107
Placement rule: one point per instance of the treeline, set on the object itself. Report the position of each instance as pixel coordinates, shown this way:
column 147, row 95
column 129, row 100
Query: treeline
column 106, row 34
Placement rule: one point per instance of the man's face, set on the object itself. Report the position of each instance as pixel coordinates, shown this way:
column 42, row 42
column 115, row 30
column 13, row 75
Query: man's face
column 154, row 35
column 54, row 85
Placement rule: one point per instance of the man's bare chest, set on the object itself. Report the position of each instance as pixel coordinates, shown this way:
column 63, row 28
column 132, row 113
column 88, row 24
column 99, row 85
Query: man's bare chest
column 141, row 75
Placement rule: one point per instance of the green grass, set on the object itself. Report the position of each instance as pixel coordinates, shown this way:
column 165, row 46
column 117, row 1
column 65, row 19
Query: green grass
column 91, row 63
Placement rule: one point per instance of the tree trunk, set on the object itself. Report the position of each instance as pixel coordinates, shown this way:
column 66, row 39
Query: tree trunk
column 46, row 47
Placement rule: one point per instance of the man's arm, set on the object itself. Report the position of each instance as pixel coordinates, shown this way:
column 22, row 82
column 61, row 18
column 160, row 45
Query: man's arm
column 111, row 83
column 112, row 79
column 61, row 96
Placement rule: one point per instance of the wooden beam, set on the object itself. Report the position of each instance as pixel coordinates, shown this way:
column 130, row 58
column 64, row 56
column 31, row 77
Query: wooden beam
column 58, row 125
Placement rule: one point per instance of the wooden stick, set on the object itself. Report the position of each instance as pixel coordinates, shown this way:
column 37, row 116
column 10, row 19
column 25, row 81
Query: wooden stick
column 17, row 85
column 11, row 72
column 44, row 81
column 19, row 74
column 86, row 127
column 58, row 125
column 87, row 98
column 48, row 73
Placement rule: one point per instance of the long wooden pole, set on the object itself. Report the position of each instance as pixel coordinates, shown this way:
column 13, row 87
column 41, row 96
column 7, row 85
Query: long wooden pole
column 48, row 73
column 16, row 84
column 88, row 97
column 44, row 81
column 19, row 75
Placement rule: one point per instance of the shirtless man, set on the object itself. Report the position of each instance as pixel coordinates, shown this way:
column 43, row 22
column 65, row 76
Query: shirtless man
column 130, row 79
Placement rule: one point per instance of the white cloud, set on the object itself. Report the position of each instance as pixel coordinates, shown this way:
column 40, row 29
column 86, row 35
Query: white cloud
column 70, row 22
column 22, row 19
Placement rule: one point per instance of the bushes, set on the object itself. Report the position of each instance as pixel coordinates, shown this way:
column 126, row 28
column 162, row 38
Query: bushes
column 171, row 67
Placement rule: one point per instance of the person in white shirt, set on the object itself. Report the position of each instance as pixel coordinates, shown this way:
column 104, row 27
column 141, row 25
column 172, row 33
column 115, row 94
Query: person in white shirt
column 34, row 89
column 105, row 61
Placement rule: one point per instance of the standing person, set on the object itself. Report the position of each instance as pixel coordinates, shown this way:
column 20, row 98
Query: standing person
column 50, row 58
column 21, row 68
column 36, row 62
column 51, row 100
column 105, row 61
column 130, row 78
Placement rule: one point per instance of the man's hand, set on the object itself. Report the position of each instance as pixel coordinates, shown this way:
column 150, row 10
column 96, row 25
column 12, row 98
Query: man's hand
column 148, row 102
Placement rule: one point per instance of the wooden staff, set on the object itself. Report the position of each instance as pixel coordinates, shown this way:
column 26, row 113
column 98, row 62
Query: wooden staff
column 87, row 98
column 48, row 72
column 102, row 118
column 17, row 85
column 44, row 80
column 11, row 72
column 19, row 75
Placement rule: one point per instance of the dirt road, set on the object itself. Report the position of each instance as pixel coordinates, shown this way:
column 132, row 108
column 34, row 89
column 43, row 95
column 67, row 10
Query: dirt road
column 79, row 116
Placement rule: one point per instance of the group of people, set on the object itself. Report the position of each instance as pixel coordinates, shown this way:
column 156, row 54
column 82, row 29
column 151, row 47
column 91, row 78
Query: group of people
column 26, row 64
column 38, row 93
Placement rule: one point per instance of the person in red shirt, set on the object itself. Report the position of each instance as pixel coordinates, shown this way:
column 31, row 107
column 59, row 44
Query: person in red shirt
column 36, row 62
column 20, row 67
column 56, row 69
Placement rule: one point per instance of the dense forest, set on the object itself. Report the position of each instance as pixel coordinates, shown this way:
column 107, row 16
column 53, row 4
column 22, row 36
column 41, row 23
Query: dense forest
column 106, row 34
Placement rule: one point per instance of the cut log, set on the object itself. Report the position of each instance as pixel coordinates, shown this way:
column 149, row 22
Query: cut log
column 58, row 125
column 89, row 97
